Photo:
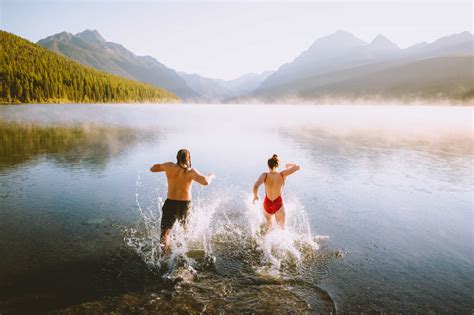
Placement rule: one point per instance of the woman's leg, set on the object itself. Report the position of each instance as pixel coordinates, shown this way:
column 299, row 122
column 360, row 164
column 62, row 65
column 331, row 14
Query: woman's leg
column 268, row 220
column 280, row 217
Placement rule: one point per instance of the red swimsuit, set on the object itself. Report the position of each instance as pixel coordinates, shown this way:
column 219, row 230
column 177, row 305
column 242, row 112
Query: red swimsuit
column 272, row 206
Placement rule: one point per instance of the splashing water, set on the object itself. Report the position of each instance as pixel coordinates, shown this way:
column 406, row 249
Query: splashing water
column 223, row 225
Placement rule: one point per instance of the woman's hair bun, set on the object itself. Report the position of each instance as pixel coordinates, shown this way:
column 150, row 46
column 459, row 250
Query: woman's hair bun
column 273, row 161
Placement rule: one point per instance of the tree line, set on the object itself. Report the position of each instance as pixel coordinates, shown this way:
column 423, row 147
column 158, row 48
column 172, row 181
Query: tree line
column 32, row 74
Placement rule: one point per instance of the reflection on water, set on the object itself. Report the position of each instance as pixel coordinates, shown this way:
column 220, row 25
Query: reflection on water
column 87, row 144
column 379, row 218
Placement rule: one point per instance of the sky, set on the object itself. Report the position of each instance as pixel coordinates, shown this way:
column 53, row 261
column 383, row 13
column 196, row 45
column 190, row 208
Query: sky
column 226, row 39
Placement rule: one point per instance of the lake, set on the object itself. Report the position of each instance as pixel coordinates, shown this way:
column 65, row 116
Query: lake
column 380, row 216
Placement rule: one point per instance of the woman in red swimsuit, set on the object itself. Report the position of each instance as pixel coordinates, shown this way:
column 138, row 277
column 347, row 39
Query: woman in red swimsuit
column 274, row 182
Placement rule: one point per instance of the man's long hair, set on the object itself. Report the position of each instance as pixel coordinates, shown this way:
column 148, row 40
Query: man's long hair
column 184, row 158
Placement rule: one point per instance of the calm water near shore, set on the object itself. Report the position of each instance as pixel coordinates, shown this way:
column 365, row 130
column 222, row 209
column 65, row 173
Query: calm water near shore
column 380, row 218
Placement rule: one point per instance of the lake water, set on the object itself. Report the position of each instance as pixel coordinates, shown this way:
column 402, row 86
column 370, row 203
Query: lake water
column 380, row 217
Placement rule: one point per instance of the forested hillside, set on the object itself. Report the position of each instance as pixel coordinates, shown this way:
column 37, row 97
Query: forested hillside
column 32, row 74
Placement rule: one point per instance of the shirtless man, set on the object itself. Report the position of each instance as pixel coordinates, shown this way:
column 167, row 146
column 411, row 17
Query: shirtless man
column 274, row 182
column 180, row 176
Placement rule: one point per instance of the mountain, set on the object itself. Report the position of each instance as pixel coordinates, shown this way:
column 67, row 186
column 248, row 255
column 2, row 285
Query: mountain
column 340, row 50
column 211, row 90
column 91, row 36
column 218, row 90
column 91, row 49
column 432, row 79
column 456, row 44
column 248, row 82
column 32, row 74
column 326, row 54
column 382, row 43
column 340, row 58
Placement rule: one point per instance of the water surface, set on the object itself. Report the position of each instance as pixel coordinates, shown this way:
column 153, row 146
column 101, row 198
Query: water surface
column 379, row 218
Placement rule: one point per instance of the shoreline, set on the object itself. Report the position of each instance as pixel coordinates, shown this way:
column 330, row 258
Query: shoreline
column 223, row 104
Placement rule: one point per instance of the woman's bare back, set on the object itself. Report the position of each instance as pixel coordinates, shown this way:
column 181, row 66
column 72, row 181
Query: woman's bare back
column 274, row 183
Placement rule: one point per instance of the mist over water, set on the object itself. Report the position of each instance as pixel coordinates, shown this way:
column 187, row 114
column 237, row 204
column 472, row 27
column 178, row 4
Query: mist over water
column 379, row 217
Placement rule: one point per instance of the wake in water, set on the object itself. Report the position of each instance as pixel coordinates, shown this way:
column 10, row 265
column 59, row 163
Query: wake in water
column 225, row 227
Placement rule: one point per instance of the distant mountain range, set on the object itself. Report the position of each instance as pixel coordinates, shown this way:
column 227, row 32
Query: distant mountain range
column 338, row 66
column 218, row 90
column 343, row 66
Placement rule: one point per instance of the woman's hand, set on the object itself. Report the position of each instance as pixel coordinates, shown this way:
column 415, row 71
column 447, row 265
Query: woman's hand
column 255, row 199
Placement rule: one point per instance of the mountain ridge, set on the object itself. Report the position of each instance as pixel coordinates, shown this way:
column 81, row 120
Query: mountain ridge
column 218, row 90
column 337, row 56
column 91, row 49
column 380, row 52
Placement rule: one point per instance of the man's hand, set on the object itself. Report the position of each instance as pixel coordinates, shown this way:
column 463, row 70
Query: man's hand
column 210, row 177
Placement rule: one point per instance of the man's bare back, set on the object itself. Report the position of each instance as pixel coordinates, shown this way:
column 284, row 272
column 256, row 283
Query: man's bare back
column 180, row 179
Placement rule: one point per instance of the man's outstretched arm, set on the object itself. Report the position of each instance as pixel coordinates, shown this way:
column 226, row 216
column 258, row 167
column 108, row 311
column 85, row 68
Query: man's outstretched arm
column 201, row 179
column 159, row 167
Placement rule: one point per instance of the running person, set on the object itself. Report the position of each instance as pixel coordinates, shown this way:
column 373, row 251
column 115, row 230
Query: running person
column 274, row 182
column 180, row 176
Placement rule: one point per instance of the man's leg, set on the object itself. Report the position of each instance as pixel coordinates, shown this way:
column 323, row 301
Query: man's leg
column 183, row 213
column 168, row 217
column 165, row 240
column 280, row 217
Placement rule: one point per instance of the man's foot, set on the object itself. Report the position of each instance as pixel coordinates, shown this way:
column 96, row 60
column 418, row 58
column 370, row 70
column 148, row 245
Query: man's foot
column 165, row 249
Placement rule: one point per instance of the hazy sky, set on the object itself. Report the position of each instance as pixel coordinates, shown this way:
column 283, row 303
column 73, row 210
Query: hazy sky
column 224, row 39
